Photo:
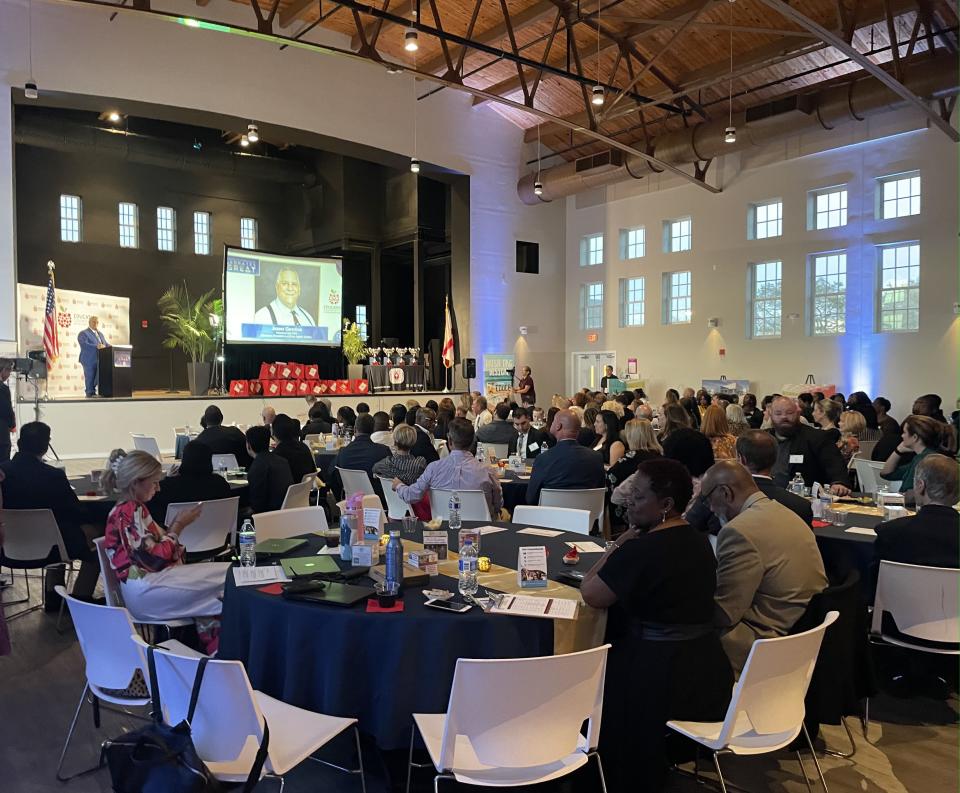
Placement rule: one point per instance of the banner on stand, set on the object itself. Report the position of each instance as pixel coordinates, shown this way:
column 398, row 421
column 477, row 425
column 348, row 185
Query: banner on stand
column 497, row 381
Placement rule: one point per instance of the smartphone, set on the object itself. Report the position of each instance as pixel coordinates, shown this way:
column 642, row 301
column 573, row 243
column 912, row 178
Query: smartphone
column 456, row 606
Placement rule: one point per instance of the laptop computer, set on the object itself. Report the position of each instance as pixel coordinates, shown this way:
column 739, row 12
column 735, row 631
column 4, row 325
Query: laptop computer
column 308, row 565
column 277, row 547
column 334, row 593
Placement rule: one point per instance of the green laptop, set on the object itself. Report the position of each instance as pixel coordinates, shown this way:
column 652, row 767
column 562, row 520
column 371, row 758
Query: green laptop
column 308, row 565
column 277, row 547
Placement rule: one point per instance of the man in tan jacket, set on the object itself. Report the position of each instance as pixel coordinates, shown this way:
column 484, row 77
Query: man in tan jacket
column 768, row 563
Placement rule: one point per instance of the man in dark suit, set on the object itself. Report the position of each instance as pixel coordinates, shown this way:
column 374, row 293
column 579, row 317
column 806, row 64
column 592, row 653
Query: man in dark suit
column 8, row 419
column 359, row 455
column 757, row 452
column 500, row 430
column 424, row 425
column 751, row 412
column 220, row 439
column 805, row 450
column 90, row 340
column 30, row 483
column 568, row 465
column 268, row 476
column 527, row 440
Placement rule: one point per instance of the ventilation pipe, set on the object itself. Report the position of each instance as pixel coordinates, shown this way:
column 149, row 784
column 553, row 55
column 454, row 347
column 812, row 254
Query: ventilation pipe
column 68, row 136
column 854, row 100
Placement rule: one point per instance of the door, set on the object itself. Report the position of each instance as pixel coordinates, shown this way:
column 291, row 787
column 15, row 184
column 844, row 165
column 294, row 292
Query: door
column 588, row 369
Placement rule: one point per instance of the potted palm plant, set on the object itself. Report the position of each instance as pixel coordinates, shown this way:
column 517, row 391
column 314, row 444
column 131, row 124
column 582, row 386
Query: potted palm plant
column 188, row 325
column 354, row 349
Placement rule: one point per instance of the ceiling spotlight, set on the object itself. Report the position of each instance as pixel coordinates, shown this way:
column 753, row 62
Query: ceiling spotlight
column 252, row 134
column 538, row 187
column 597, row 95
column 197, row 144
column 410, row 42
column 30, row 90
column 244, row 141
column 414, row 165
column 114, row 117
column 392, row 69
column 730, row 135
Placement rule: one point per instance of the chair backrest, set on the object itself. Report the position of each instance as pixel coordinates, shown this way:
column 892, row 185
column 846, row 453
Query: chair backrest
column 355, row 481
column 563, row 518
column 866, row 448
column 923, row 601
column 591, row 499
column 768, row 699
column 111, row 584
column 209, row 532
column 535, row 718
column 396, row 506
column 228, row 461
column 31, row 535
column 473, row 504
column 104, row 635
column 871, row 436
column 867, row 471
column 283, row 523
column 227, row 716
column 297, row 496
column 146, row 443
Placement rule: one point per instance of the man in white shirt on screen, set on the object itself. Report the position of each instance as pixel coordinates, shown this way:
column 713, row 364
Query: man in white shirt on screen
column 284, row 310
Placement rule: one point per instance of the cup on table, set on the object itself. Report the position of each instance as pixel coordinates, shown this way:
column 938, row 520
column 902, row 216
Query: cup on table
column 332, row 537
column 839, row 517
column 387, row 594
column 410, row 523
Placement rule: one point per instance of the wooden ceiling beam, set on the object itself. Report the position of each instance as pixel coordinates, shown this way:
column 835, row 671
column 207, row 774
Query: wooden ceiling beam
column 296, row 10
column 405, row 8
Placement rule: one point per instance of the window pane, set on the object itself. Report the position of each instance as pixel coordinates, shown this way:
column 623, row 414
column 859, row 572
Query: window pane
column 900, row 196
column 248, row 233
column 899, row 297
column 129, row 225
column 201, row 233
column 70, row 208
column 166, row 229
column 828, row 294
column 766, row 303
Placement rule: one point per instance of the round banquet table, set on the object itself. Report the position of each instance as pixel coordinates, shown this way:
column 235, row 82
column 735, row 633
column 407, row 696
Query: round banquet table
column 380, row 667
column 514, row 489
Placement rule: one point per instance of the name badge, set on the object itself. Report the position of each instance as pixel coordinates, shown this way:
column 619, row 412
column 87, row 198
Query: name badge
column 796, row 459
column 532, row 447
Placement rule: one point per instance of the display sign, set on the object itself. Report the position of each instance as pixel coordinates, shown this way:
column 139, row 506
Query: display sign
column 497, row 381
column 725, row 386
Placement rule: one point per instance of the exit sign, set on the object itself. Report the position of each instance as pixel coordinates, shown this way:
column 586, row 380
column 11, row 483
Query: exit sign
column 592, row 337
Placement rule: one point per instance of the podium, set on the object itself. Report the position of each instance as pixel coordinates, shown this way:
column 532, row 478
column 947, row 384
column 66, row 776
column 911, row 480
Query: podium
column 115, row 373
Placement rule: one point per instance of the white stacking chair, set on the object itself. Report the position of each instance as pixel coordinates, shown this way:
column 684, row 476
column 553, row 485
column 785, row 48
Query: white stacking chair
column 591, row 499
column 473, row 504
column 397, row 508
column 868, row 474
column 866, row 448
column 32, row 540
column 562, row 518
column 528, row 733
column 281, row 524
column 298, row 495
column 146, row 443
column 213, row 530
column 767, row 707
column 355, row 482
column 111, row 660
column 228, row 461
column 230, row 713
column 924, row 602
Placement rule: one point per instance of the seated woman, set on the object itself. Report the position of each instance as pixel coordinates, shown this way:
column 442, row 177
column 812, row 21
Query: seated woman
column 588, row 434
column 193, row 481
column 672, row 418
column 608, row 443
column 921, row 436
column 736, row 420
column 826, row 414
column 286, row 431
column 852, row 427
column 148, row 558
column 346, row 418
column 642, row 444
column 666, row 661
column 404, row 466
column 319, row 421
column 717, row 430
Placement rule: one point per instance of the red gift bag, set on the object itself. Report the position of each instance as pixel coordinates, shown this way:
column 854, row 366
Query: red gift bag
column 255, row 388
column 311, row 371
column 271, row 387
column 268, row 371
column 285, row 371
column 343, row 386
column 360, row 386
column 330, row 386
column 297, row 371
column 239, row 388
column 314, row 387
column 288, row 387
column 303, row 387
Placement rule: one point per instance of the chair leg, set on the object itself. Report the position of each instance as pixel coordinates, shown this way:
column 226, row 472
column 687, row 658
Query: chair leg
column 853, row 743
column 865, row 721
column 603, row 780
column 66, row 743
column 716, row 764
column 816, row 761
column 363, row 777
column 803, row 772
column 436, row 781
column 413, row 731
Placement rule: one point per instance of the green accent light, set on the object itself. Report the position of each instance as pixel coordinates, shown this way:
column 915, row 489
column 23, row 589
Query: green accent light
column 198, row 23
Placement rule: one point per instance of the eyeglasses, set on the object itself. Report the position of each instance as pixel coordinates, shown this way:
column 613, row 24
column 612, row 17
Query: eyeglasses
column 705, row 497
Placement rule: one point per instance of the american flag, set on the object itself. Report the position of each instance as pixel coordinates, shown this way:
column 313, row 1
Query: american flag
column 51, row 341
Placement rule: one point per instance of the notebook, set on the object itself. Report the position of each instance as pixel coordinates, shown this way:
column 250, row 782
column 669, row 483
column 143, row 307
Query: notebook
column 276, row 547
column 308, row 565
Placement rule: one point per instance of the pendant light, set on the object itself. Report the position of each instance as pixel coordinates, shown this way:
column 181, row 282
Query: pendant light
column 538, row 185
column 30, row 90
column 730, row 133
column 597, row 95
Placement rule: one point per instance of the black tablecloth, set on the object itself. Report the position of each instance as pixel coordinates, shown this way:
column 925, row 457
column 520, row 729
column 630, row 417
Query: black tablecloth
column 514, row 490
column 842, row 550
column 414, row 378
column 324, row 459
column 379, row 668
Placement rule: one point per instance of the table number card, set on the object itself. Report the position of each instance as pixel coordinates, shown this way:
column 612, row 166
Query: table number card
column 372, row 523
column 532, row 567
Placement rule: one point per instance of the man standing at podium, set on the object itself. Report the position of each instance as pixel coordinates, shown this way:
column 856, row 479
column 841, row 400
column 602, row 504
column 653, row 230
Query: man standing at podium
column 90, row 340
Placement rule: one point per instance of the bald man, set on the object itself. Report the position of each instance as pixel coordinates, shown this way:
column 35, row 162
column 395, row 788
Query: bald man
column 568, row 465
column 285, row 309
column 768, row 563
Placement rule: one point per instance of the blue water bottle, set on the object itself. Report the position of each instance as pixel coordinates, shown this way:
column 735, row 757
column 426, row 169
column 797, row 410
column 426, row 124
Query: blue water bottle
column 394, row 571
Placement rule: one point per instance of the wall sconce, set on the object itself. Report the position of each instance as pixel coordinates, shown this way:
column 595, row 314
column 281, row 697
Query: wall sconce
column 523, row 330
column 713, row 322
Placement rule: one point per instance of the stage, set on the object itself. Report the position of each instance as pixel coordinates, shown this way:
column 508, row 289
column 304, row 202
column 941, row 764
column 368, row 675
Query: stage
column 92, row 427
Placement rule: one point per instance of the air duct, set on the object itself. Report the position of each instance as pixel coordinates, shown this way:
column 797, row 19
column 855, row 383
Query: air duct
column 68, row 136
column 853, row 100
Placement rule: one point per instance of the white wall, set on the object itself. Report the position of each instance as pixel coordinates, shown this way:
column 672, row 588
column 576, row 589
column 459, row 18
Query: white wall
column 77, row 50
column 897, row 365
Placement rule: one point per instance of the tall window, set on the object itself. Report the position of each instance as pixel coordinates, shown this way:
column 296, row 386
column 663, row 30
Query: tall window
column 249, row 236
column 129, row 225
column 899, row 195
column 361, row 319
column 632, row 243
column 591, row 250
column 765, row 300
column 631, row 302
column 678, row 235
column 899, row 287
column 591, row 306
column 677, row 298
column 201, row 233
column 827, row 208
column 71, row 209
column 767, row 220
column 166, row 229
column 828, row 293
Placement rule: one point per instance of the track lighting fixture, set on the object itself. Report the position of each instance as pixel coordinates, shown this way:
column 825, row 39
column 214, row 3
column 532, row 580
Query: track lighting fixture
column 30, row 90
column 730, row 135
column 244, row 141
column 410, row 40
column 597, row 97
column 538, row 187
column 114, row 117
column 414, row 165
column 253, row 134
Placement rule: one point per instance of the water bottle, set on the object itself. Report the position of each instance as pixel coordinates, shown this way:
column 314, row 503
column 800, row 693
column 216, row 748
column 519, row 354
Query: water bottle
column 797, row 484
column 454, row 511
column 248, row 544
column 480, row 455
column 348, row 523
column 394, row 560
column 468, row 569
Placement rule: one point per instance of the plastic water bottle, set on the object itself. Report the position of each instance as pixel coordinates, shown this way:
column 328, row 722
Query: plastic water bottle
column 349, row 522
column 481, row 458
column 394, row 560
column 797, row 484
column 468, row 568
column 248, row 544
column 454, row 511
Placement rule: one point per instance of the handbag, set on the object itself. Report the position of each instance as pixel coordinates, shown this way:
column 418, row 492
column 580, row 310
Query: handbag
column 159, row 758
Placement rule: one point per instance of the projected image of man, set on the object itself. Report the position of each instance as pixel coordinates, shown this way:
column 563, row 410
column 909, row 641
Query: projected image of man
column 285, row 309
